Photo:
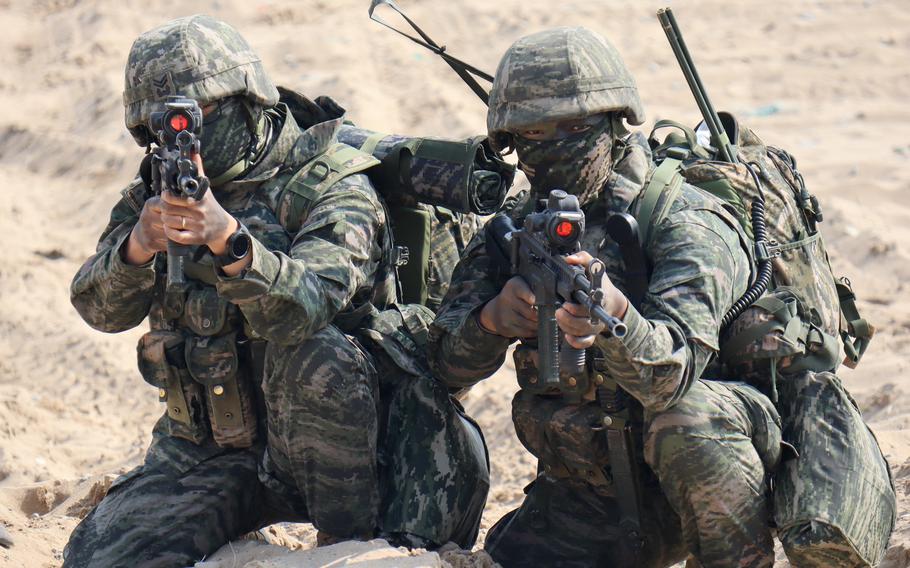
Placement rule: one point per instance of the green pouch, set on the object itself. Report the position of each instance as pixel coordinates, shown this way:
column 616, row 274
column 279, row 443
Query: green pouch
column 399, row 333
column 205, row 311
column 778, row 335
column 161, row 364
column 213, row 362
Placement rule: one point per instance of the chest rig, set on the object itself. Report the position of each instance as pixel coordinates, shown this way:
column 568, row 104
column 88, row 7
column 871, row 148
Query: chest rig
column 580, row 424
column 205, row 361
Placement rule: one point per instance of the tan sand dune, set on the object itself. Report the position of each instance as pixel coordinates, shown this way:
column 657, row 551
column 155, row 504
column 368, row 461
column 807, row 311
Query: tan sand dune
column 828, row 80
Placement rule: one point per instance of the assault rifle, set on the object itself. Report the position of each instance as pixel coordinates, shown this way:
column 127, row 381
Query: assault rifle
column 537, row 254
column 177, row 130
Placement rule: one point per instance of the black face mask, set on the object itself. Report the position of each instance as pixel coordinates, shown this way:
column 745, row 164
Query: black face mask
column 579, row 164
column 226, row 138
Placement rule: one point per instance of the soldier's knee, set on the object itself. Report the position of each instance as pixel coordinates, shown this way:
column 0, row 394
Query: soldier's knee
column 328, row 368
column 817, row 544
column 683, row 427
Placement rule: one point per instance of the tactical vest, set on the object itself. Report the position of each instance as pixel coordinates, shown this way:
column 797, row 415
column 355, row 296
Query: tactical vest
column 207, row 365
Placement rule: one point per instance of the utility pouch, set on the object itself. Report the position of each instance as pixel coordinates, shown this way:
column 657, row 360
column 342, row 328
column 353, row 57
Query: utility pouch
column 525, row 359
column 399, row 334
column 161, row 363
column 214, row 363
column 205, row 312
column 777, row 335
column 572, row 386
column 568, row 439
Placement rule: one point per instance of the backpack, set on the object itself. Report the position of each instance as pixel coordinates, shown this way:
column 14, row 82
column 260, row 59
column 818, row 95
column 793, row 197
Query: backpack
column 433, row 190
column 806, row 313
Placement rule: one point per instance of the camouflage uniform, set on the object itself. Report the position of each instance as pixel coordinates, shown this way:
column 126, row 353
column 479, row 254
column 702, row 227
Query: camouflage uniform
column 307, row 441
column 710, row 444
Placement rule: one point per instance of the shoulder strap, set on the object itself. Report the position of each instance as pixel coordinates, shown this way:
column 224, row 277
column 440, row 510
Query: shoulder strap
column 665, row 178
column 317, row 175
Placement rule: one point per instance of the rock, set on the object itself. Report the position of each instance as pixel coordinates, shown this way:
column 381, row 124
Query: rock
column 5, row 540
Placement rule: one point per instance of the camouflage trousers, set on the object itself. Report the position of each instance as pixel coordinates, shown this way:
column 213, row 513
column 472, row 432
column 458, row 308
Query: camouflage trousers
column 326, row 433
column 712, row 454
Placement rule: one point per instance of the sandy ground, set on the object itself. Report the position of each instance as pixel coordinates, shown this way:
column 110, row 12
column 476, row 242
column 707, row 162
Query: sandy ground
column 829, row 81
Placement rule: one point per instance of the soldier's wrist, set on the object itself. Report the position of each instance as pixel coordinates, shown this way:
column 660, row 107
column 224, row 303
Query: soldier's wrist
column 219, row 244
column 133, row 252
column 484, row 318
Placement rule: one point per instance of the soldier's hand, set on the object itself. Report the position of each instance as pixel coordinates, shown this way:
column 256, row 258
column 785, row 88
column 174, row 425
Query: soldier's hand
column 575, row 320
column 147, row 236
column 202, row 222
column 511, row 313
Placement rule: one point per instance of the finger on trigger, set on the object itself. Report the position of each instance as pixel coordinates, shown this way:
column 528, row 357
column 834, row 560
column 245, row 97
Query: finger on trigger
column 581, row 257
column 525, row 311
column 524, row 292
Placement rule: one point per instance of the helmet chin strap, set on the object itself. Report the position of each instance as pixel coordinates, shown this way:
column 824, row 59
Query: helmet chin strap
column 259, row 126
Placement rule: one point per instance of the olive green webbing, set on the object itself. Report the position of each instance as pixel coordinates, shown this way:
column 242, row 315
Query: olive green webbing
column 665, row 176
column 369, row 145
column 689, row 134
column 857, row 327
column 320, row 173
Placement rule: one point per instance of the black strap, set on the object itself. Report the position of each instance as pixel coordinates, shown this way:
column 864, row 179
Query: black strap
column 623, row 229
column 466, row 71
column 624, row 470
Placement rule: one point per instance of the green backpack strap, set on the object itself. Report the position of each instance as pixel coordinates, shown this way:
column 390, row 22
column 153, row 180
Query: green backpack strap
column 857, row 327
column 665, row 179
column 316, row 176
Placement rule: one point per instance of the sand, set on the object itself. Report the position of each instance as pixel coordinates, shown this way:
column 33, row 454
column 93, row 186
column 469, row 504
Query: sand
column 829, row 81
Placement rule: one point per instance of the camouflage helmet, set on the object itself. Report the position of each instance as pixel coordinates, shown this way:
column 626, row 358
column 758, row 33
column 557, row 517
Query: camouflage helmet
column 197, row 57
column 558, row 74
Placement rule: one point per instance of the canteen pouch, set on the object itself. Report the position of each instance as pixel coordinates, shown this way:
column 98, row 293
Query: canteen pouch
column 162, row 365
column 214, row 363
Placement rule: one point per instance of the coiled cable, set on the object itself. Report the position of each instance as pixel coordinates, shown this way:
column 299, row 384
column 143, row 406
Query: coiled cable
column 765, row 269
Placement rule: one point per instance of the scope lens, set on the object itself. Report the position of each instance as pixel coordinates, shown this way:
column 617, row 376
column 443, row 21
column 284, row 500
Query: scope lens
column 179, row 123
column 565, row 229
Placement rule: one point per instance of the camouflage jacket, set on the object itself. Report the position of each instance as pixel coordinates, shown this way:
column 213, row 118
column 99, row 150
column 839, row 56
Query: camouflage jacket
column 700, row 265
column 297, row 283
